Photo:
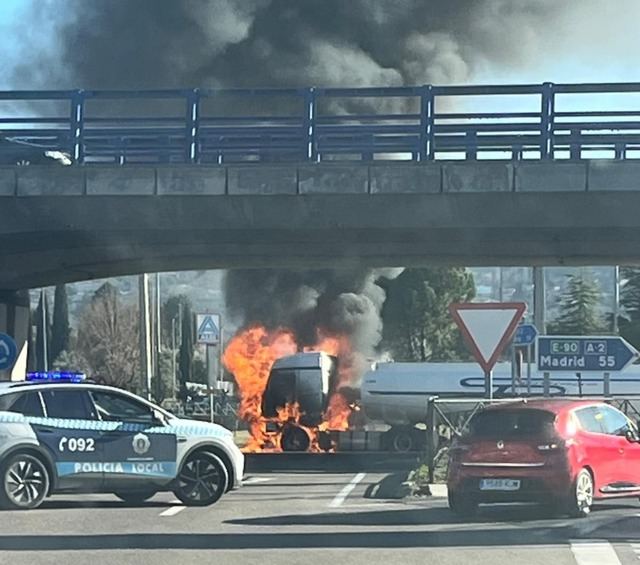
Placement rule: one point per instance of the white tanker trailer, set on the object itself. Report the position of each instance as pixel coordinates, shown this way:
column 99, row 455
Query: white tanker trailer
column 397, row 393
column 394, row 396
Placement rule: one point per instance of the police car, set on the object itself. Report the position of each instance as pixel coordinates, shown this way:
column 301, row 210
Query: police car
column 62, row 434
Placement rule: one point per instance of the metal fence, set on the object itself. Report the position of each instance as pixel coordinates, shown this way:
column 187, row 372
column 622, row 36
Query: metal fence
column 548, row 121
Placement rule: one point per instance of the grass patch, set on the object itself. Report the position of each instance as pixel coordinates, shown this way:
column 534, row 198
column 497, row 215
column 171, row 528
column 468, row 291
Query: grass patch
column 418, row 480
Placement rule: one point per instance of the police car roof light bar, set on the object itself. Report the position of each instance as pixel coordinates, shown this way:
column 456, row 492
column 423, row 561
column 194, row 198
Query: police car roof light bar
column 56, row 376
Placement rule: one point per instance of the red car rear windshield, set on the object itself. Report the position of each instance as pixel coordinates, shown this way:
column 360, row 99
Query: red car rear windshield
column 495, row 424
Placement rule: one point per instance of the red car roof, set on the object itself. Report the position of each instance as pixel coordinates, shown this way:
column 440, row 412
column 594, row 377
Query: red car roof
column 555, row 405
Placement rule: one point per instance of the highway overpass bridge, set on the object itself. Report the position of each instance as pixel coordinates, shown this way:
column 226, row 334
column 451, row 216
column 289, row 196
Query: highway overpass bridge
column 170, row 180
column 74, row 223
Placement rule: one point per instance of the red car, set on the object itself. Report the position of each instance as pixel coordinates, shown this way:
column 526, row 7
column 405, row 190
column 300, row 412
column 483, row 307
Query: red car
column 562, row 453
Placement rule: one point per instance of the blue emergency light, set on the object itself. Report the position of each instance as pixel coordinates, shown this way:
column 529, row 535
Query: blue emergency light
column 56, row 376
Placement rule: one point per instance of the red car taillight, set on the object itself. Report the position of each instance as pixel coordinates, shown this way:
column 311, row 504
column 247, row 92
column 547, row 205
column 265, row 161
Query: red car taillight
column 553, row 451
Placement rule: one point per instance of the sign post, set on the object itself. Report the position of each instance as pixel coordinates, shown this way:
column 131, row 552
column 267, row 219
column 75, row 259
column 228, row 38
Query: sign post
column 525, row 336
column 209, row 333
column 579, row 354
column 487, row 328
column 529, row 370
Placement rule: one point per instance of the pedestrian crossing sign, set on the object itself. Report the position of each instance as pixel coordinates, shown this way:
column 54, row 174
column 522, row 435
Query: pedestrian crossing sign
column 208, row 328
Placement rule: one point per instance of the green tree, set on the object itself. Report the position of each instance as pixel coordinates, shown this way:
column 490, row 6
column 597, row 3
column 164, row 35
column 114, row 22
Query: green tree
column 108, row 339
column 60, row 329
column 579, row 309
column 629, row 322
column 417, row 323
column 69, row 360
column 200, row 374
column 164, row 387
column 43, row 328
column 172, row 309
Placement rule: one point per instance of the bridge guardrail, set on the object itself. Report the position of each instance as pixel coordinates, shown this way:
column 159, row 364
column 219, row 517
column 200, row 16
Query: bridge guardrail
column 513, row 122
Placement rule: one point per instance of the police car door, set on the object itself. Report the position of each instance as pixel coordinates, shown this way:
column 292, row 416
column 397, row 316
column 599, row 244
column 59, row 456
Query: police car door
column 71, row 432
column 139, row 450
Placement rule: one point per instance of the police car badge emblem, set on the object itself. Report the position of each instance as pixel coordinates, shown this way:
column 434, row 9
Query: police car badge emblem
column 141, row 444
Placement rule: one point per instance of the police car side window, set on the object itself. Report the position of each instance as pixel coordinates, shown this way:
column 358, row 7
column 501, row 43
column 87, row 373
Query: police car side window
column 26, row 403
column 117, row 407
column 68, row 404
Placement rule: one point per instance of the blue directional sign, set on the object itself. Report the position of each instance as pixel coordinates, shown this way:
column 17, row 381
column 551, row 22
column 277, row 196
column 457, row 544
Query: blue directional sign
column 525, row 334
column 584, row 353
column 8, row 352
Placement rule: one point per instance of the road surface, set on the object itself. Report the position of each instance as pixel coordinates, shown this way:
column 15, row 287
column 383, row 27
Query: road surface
column 311, row 517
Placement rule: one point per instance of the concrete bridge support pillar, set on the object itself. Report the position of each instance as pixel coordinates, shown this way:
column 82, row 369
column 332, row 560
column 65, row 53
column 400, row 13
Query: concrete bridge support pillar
column 14, row 321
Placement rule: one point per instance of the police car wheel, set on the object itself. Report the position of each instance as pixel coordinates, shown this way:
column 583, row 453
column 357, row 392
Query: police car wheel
column 135, row 496
column 25, row 482
column 202, row 480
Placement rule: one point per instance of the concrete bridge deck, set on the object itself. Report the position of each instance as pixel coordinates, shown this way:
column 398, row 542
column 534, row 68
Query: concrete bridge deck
column 63, row 224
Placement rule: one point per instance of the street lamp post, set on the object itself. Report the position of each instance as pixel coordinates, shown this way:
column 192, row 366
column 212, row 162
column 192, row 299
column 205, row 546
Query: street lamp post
column 45, row 334
column 173, row 358
column 145, row 331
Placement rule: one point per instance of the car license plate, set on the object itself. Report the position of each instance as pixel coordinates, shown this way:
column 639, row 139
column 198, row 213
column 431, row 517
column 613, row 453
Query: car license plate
column 499, row 484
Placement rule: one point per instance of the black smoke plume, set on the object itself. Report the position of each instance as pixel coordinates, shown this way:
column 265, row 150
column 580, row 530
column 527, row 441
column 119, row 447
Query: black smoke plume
column 313, row 303
column 142, row 44
column 129, row 44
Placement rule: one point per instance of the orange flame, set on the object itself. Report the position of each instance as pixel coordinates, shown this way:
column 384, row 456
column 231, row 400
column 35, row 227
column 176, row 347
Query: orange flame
column 250, row 356
column 338, row 409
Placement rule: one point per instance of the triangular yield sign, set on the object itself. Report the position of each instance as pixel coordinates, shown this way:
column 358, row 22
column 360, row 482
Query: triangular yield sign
column 487, row 327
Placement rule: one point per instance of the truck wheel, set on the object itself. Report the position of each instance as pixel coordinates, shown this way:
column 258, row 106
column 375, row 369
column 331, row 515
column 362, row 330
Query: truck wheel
column 402, row 440
column 294, row 438
column 324, row 441
column 24, row 482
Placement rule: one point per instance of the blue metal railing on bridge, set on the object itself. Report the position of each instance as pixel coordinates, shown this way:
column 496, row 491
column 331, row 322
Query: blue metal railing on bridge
column 548, row 121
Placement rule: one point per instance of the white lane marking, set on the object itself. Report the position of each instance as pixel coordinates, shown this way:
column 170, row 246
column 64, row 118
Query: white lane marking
column 172, row 510
column 594, row 553
column 256, row 480
column 342, row 495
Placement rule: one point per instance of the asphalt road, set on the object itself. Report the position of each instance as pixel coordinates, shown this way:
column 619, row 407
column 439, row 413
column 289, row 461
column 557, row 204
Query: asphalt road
column 308, row 518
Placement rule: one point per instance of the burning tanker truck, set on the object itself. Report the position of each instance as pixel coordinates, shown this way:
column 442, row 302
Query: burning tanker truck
column 299, row 408
column 311, row 400
column 308, row 381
